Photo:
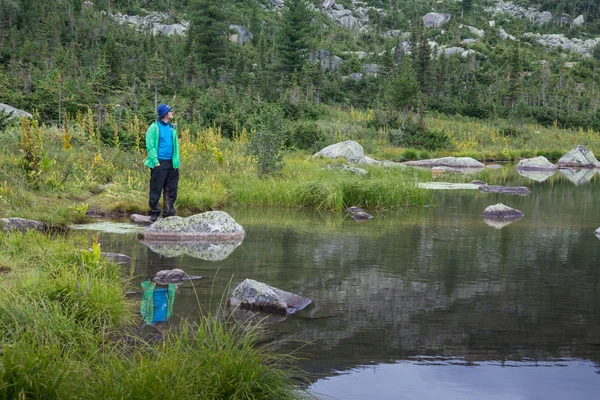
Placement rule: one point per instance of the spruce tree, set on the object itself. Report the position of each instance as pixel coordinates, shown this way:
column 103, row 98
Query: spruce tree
column 404, row 88
column 294, row 36
column 208, row 32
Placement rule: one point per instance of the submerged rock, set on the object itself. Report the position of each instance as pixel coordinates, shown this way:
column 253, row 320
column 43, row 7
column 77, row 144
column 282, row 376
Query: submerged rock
column 204, row 250
column 347, row 168
column 20, row 224
column 500, row 211
column 579, row 176
column 211, row 225
column 259, row 296
column 519, row 190
column 536, row 175
column 540, row 163
column 362, row 216
column 452, row 162
column 350, row 150
column 448, row 186
column 578, row 157
column 116, row 257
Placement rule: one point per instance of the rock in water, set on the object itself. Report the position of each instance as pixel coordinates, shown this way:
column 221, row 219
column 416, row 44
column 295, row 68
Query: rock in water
column 172, row 276
column 211, row 225
column 140, row 219
column 452, row 162
column 597, row 232
column 500, row 211
column 520, row 190
column 540, row 163
column 20, row 224
column 354, row 209
column 362, row 216
column 259, row 296
column 578, row 157
column 350, row 150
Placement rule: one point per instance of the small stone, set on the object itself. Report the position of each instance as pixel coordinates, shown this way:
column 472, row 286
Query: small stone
column 259, row 296
column 140, row 219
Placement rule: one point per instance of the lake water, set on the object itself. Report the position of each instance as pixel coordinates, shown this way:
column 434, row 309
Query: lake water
column 427, row 303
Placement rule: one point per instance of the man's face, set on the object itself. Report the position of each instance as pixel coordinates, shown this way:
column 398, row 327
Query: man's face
column 169, row 116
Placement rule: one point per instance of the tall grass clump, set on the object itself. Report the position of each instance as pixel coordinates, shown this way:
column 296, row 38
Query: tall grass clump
column 68, row 331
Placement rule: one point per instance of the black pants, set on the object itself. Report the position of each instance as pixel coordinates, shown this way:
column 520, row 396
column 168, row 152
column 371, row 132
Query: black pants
column 163, row 177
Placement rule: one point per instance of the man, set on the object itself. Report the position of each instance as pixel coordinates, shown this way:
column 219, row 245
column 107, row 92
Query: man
column 163, row 160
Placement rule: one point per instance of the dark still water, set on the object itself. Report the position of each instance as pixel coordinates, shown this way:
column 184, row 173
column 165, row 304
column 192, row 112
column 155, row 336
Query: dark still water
column 428, row 303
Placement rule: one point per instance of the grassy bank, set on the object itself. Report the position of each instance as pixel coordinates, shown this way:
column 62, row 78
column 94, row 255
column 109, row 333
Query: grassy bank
column 64, row 318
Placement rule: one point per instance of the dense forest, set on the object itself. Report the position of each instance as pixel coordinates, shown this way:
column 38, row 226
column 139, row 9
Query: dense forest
column 63, row 57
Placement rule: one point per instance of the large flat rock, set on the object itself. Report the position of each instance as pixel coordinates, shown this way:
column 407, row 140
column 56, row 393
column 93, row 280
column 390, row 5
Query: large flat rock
column 452, row 162
column 211, row 225
column 350, row 150
column 540, row 163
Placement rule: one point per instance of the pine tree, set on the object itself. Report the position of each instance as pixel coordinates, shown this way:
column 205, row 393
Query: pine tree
column 208, row 32
column 294, row 36
column 404, row 88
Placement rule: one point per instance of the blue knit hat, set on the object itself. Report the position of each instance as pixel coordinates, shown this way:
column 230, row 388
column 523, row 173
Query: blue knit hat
column 162, row 110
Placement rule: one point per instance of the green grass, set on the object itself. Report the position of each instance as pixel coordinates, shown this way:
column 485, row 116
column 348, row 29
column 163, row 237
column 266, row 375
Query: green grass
column 66, row 332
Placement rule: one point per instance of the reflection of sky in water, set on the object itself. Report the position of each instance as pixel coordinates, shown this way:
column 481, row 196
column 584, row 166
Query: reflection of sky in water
column 573, row 380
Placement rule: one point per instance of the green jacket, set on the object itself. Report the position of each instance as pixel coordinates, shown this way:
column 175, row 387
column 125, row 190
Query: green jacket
column 152, row 146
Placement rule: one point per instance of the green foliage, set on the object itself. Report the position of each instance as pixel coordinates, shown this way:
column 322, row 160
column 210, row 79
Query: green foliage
column 294, row 36
column 6, row 119
column 419, row 138
column 267, row 140
column 208, row 33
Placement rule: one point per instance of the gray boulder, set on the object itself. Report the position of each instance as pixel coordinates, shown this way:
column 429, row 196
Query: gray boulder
column 500, row 211
column 277, row 3
column 371, row 68
column 327, row 4
column 540, row 163
column 477, row 32
column 436, row 20
column 20, row 224
column 357, row 76
column 452, row 162
column 503, row 35
column 211, row 225
column 204, row 250
column 329, row 62
column 15, row 111
column 347, row 168
column 242, row 36
column 450, row 51
column 259, row 296
column 579, row 21
column 597, row 232
column 116, row 257
column 578, row 157
column 350, row 150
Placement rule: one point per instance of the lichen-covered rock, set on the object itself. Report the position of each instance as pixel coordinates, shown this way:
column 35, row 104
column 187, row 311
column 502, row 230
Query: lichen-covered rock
column 259, row 296
column 211, row 225
column 518, row 190
column 347, row 168
column 452, row 162
column 117, row 257
column 204, row 250
column 241, row 36
column 350, row 150
column 20, row 224
column 578, row 157
column 536, row 175
column 540, row 163
column 502, row 212
column 436, row 20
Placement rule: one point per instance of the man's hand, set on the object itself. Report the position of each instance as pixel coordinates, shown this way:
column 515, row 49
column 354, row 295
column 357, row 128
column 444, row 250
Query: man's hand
column 157, row 165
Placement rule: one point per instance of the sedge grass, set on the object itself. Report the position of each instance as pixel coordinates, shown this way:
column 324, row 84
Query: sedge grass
column 63, row 334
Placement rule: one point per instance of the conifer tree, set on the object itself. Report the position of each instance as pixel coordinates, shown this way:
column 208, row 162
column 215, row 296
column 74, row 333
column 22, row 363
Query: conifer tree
column 294, row 36
column 208, row 32
column 404, row 88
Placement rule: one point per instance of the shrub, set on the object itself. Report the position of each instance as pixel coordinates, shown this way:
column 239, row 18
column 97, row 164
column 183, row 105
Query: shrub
column 305, row 135
column 267, row 140
column 416, row 137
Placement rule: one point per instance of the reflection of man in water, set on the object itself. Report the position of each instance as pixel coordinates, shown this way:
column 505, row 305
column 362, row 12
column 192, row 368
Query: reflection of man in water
column 157, row 302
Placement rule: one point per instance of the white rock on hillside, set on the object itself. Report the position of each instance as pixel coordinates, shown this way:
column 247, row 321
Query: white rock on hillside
column 350, row 150
column 532, row 14
column 576, row 45
column 579, row 21
column 242, row 36
column 16, row 112
column 436, row 20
